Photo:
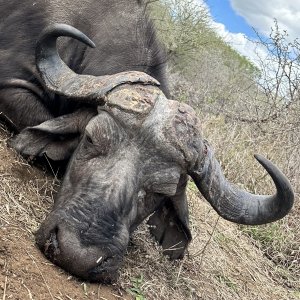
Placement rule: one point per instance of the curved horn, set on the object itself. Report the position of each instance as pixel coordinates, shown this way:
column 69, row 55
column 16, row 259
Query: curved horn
column 240, row 206
column 59, row 78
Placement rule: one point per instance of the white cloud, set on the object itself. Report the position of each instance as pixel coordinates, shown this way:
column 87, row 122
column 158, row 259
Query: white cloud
column 255, row 51
column 238, row 41
column 261, row 14
column 241, row 43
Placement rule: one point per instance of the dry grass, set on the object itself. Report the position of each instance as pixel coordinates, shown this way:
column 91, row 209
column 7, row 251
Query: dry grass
column 236, row 143
column 221, row 263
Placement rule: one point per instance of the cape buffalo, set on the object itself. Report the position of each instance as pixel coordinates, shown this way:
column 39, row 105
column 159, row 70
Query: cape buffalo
column 104, row 108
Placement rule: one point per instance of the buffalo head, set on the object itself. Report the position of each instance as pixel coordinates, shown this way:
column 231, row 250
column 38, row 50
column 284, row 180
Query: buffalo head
column 131, row 151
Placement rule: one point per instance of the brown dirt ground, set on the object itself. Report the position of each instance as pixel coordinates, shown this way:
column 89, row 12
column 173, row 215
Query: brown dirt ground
column 221, row 263
column 24, row 272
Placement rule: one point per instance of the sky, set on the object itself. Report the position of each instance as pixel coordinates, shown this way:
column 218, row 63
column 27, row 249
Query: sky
column 234, row 20
column 222, row 12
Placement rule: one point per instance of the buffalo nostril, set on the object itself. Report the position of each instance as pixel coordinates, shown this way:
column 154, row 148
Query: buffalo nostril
column 51, row 248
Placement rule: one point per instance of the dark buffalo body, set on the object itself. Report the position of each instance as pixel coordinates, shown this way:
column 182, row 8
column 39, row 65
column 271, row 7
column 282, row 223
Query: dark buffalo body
column 124, row 38
column 130, row 149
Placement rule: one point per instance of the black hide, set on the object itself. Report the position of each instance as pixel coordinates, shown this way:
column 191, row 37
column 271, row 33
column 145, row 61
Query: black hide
column 53, row 125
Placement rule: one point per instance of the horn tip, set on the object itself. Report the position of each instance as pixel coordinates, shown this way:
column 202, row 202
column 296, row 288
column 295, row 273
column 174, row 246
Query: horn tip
column 92, row 44
column 266, row 163
column 259, row 157
column 278, row 177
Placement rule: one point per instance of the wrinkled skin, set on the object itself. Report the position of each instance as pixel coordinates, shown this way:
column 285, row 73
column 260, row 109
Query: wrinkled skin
column 125, row 167
column 130, row 149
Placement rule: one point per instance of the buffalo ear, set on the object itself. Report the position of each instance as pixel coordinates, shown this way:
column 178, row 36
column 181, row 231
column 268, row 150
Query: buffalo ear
column 170, row 226
column 57, row 138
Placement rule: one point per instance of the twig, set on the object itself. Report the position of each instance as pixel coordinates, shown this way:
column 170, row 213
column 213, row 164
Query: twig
column 4, row 292
column 179, row 272
column 120, row 297
column 29, row 293
column 47, row 286
column 207, row 243
column 98, row 292
column 52, row 170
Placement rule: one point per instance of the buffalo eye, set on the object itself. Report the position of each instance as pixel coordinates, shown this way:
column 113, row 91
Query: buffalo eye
column 97, row 143
column 89, row 139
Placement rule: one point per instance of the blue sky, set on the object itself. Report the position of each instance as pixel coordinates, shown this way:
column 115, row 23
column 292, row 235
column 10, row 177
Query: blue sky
column 234, row 19
column 222, row 12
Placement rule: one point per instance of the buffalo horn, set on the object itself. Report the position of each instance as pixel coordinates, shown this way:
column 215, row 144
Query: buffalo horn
column 60, row 79
column 237, row 205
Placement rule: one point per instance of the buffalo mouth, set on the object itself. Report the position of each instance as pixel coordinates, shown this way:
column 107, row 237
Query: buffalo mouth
column 107, row 270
